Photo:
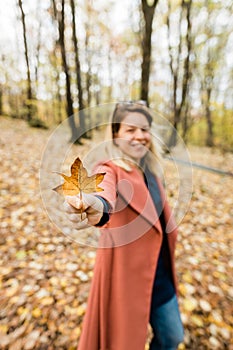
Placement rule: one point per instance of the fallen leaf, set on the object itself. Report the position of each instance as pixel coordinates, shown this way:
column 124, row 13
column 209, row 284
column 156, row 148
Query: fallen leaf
column 205, row 306
column 3, row 328
column 190, row 304
column 47, row 301
column 36, row 312
column 79, row 181
column 38, row 262
column 31, row 340
column 16, row 345
column 214, row 342
column 197, row 320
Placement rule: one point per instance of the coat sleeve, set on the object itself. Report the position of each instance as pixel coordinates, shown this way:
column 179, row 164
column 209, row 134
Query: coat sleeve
column 109, row 184
column 105, row 217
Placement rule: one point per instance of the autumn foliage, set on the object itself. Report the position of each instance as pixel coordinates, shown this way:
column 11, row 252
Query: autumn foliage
column 45, row 277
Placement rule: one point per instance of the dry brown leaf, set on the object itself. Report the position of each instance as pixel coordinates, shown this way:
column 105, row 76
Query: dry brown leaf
column 79, row 181
column 204, row 254
column 31, row 340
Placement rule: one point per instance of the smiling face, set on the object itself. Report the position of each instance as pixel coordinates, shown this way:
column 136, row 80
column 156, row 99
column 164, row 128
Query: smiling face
column 133, row 136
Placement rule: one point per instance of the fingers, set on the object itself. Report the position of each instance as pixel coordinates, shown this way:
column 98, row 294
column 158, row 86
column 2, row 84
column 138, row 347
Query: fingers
column 83, row 213
column 69, row 209
column 75, row 202
column 81, row 225
column 76, row 218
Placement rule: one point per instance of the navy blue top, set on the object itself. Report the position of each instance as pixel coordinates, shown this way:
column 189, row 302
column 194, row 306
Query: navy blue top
column 163, row 288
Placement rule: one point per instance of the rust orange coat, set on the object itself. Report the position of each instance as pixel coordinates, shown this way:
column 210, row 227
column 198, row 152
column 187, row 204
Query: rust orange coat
column 118, row 307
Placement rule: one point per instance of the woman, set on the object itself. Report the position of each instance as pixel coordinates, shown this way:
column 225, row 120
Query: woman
column 134, row 280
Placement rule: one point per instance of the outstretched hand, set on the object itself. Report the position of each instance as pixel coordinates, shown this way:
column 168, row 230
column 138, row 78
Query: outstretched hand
column 84, row 212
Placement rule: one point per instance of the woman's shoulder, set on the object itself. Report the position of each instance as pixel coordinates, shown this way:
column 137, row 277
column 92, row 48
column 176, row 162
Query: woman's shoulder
column 108, row 167
column 104, row 164
column 116, row 165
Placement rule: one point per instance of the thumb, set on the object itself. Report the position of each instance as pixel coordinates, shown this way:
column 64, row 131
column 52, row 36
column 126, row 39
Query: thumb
column 75, row 202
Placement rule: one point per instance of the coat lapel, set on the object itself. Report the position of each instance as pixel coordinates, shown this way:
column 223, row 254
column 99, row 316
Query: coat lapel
column 131, row 186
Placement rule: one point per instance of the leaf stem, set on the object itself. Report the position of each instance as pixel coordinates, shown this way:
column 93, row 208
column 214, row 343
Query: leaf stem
column 81, row 198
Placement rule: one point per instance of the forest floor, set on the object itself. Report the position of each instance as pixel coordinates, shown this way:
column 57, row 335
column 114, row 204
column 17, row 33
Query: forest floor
column 45, row 276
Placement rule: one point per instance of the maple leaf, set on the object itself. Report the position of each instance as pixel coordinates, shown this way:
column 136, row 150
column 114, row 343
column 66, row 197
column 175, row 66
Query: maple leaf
column 79, row 181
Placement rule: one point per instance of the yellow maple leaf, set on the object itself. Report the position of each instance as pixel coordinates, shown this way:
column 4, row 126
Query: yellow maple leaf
column 36, row 312
column 79, row 181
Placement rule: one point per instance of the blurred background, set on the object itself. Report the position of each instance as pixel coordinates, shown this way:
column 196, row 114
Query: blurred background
column 62, row 58
column 58, row 57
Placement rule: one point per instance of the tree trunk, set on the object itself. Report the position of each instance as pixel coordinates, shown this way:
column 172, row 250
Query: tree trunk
column 208, row 86
column 29, row 83
column 82, row 124
column 148, row 13
column 69, row 100
column 186, row 123
column 210, row 134
column 187, row 73
column 58, row 97
column 178, row 74
column 57, row 100
column 88, row 55
column 38, row 47
column 174, row 67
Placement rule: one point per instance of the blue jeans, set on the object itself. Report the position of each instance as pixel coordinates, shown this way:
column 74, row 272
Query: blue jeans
column 167, row 326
